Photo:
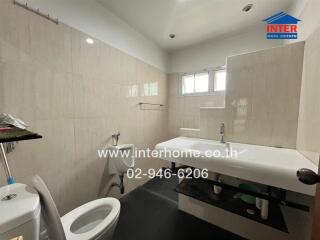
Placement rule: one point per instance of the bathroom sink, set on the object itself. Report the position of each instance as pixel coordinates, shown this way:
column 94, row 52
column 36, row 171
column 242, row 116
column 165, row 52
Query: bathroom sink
column 203, row 146
column 217, row 148
column 266, row 165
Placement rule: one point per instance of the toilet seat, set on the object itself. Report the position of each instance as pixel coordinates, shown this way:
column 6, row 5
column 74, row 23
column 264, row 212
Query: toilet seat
column 86, row 222
column 110, row 205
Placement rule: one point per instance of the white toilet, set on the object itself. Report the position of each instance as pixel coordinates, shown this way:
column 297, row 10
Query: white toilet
column 94, row 220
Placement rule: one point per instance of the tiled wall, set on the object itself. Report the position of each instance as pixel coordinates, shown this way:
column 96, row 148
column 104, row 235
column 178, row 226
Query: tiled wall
column 184, row 111
column 76, row 95
column 308, row 141
column 262, row 98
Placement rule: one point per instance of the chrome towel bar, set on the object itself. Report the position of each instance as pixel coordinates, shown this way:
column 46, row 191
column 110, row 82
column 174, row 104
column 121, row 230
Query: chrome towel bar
column 154, row 104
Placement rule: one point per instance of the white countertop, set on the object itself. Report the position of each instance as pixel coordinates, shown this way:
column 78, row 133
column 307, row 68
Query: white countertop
column 266, row 165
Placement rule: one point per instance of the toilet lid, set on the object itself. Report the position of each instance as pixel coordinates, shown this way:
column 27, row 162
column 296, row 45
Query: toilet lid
column 49, row 210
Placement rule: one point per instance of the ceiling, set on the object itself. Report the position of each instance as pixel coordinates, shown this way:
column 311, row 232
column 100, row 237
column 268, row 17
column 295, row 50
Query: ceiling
column 192, row 21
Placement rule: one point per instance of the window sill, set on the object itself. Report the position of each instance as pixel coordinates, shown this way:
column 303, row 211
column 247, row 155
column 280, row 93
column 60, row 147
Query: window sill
column 208, row 108
column 216, row 93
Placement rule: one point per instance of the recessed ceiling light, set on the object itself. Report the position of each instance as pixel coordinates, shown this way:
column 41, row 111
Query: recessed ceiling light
column 90, row 40
column 172, row 35
column 247, row 8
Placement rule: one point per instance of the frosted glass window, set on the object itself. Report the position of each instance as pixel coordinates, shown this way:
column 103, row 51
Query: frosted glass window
column 204, row 82
column 201, row 82
column 188, row 84
column 220, row 80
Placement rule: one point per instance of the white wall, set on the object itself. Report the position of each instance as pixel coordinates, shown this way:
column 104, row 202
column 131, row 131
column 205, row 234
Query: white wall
column 297, row 7
column 92, row 18
column 309, row 116
column 214, row 53
column 308, row 12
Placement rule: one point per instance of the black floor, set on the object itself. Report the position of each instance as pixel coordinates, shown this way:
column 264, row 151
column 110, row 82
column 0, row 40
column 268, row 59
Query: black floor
column 150, row 212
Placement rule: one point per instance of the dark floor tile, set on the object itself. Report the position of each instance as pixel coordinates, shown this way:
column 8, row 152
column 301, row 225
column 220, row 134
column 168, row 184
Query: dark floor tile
column 164, row 187
column 148, row 215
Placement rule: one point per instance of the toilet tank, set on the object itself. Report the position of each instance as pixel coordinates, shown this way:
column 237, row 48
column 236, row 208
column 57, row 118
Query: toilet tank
column 19, row 212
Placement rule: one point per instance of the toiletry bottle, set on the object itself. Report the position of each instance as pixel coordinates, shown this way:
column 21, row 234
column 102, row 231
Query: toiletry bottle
column 217, row 189
column 264, row 209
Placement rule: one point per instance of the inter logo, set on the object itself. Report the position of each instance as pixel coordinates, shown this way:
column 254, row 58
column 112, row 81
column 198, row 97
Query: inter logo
column 282, row 26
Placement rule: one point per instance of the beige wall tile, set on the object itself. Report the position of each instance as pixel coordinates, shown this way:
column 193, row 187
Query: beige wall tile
column 14, row 25
column 308, row 140
column 76, row 95
column 260, row 130
column 18, row 95
column 90, row 98
column 173, row 81
column 52, row 94
column 262, row 98
column 44, row 33
column 52, row 157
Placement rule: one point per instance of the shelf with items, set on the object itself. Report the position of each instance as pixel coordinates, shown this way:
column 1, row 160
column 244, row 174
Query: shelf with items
column 202, row 190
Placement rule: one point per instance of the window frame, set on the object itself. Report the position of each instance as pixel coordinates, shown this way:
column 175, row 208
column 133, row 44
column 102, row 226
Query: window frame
column 194, row 93
column 211, row 90
column 214, row 79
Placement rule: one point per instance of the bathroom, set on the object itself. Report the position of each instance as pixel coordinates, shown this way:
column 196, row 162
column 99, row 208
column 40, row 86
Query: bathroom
column 152, row 77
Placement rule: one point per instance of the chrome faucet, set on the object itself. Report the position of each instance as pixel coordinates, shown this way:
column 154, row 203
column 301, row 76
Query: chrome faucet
column 222, row 130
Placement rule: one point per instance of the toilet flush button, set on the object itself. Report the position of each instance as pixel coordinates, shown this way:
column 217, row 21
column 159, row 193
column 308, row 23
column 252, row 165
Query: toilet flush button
column 9, row 197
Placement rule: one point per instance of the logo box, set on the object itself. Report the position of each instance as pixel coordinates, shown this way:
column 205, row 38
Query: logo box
column 282, row 26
